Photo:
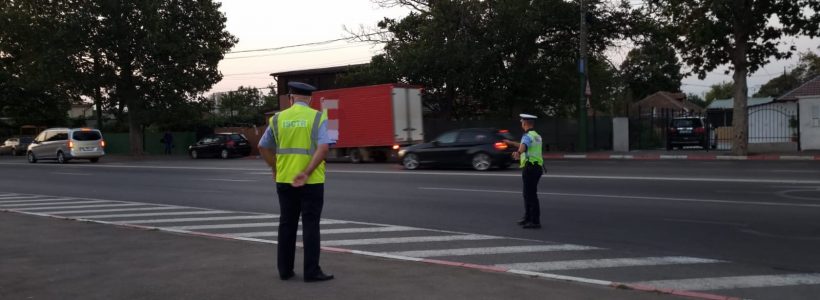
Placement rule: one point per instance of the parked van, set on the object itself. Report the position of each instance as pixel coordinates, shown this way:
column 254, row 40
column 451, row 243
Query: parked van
column 64, row 144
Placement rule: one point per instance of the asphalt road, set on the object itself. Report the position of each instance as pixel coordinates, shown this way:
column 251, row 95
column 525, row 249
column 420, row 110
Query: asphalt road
column 741, row 218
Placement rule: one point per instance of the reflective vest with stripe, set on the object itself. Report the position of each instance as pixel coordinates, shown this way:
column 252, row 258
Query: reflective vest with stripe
column 534, row 152
column 296, row 131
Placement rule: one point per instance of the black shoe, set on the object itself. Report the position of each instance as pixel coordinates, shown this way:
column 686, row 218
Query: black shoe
column 522, row 222
column 531, row 225
column 319, row 277
column 287, row 276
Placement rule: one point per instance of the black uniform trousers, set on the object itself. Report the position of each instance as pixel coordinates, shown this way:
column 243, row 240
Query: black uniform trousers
column 306, row 201
column 531, row 173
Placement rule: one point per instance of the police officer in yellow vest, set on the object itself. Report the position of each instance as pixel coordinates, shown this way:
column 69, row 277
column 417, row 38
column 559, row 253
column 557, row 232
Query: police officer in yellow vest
column 294, row 146
column 532, row 167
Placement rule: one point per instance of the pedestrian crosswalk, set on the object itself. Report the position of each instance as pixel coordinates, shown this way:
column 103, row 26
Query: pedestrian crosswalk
column 538, row 258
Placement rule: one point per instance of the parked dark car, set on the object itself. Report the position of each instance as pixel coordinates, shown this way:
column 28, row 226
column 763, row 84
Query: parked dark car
column 16, row 145
column 223, row 145
column 480, row 148
column 690, row 131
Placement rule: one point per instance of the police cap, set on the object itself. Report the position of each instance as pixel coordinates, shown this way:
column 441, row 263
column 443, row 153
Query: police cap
column 527, row 117
column 300, row 88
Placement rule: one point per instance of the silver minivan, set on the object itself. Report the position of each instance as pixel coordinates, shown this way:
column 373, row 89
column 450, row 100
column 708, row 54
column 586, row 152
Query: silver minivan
column 64, row 144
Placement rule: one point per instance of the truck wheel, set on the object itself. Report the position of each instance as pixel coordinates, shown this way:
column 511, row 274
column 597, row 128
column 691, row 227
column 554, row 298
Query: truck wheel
column 410, row 161
column 356, row 156
column 482, row 162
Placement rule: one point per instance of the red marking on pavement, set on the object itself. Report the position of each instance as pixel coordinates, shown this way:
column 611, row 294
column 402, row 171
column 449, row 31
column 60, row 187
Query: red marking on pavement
column 817, row 157
column 647, row 157
column 702, row 157
column 485, row 268
column 443, row 262
column 337, row 250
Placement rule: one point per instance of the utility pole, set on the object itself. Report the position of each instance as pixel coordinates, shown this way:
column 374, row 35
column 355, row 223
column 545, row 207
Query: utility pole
column 582, row 68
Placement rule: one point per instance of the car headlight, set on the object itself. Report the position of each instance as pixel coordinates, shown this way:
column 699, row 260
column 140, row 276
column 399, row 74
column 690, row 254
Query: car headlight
column 402, row 152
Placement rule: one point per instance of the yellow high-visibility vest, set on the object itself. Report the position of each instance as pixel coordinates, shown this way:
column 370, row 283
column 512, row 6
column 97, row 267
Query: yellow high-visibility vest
column 296, row 131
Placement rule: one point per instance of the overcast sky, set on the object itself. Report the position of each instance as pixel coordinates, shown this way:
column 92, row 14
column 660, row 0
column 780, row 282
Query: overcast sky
column 261, row 24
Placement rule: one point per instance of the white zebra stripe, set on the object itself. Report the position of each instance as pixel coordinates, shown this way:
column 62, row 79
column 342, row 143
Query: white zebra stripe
column 180, row 220
column 244, row 225
column 492, row 250
column 416, row 239
column 15, row 206
column 330, row 231
column 116, row 216
column 82, row 206
column 606, row 263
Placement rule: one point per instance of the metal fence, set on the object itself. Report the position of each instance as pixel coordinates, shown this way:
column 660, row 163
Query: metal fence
column 771, row 126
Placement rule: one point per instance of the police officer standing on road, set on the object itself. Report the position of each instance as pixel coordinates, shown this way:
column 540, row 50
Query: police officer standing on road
column 294, row 146
column 532, row 164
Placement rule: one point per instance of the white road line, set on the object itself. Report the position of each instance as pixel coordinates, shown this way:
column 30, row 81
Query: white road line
column 180, row 213
column 38, row 200
column 71, row 212
column 52, row 203
column 736, row 282
column 706, row 222
column 244, row 225
column 607, row 263
column 177, row 220
column 20, row 197
column 631, row 197
column 82, row 206
column 331, row 231
column 8, row 195
column 416, row 239
column 491, row 250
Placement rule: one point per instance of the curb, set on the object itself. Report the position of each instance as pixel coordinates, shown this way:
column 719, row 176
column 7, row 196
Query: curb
column 484, row 268
column 696, row 157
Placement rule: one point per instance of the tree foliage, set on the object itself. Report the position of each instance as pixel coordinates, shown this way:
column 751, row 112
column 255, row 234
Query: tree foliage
column 139, row 59
column 807, row 69
column 496, row 58
column 651, row 68
column 740, row 33
column 723, row 90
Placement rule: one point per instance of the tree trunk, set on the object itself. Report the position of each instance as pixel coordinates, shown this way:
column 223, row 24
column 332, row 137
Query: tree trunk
column 740, row 145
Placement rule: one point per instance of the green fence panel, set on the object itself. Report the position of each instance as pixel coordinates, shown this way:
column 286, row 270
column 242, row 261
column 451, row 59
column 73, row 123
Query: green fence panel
column 119, row 143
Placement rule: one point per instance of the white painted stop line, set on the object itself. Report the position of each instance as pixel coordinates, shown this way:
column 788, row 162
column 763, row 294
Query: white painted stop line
column 607, row 263
column 735, row 282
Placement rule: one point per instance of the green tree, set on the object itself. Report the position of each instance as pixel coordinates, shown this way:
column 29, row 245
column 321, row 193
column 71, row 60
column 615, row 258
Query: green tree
column 807, row 69
column 652, row 68
column 493, row 58
column 723, row 90
column 739, row 33
column 697, row 100
column 144, row 58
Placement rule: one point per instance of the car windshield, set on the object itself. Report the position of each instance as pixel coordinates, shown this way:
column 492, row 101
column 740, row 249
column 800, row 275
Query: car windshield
column 86, row 136
column 686, row 123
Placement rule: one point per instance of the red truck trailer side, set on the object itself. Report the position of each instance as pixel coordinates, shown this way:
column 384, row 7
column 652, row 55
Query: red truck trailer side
column 367, row 122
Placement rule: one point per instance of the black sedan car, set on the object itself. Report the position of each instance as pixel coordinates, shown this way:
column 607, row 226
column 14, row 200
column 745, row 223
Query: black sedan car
column 480, row 148
column 222, row 145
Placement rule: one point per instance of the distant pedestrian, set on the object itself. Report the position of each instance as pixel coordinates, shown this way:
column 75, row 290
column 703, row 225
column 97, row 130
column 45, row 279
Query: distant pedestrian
column 532, row 168
column 294, row 146
column 168, row 141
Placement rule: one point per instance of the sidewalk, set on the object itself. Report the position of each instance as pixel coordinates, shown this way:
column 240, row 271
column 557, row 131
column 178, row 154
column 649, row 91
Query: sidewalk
column 46, row 258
